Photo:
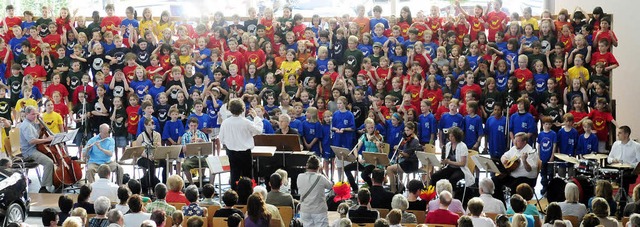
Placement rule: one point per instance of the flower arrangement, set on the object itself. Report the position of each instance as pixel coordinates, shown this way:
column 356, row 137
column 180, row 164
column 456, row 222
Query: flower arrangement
column 342, row 190
column 428, row 193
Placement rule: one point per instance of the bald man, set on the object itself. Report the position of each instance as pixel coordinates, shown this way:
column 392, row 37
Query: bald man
column 98, row 151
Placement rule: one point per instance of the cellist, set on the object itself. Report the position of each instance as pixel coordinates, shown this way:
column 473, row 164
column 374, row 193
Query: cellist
column 29, row 139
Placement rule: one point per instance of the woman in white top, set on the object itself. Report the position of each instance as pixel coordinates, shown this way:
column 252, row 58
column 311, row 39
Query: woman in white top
column 475, row 206
column 455, row 160
column 571, row 206
column 554, row 213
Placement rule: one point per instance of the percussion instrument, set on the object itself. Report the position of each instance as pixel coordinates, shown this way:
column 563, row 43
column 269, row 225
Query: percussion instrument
column 610, row 174
column 567, row 158
column 586, row 167
column 595, row 156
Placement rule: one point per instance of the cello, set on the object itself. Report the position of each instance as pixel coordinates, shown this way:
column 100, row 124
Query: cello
column 65, row 170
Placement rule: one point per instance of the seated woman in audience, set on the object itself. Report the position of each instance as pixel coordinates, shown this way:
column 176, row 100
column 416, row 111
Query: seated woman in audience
column 518, row 204
column 177, row 218
column 445, row 185
column 526, row 192
column 475, row 206
column 604, row 190
column 230, row 198
column 123, row 196
column 257, row 215
column 175, row 195
column 101, row 206
column 502, row 221
column 394, row 216
column 519, row 220
column 590, row 220
column 414, row 188
column 630, row 208
column 83, row 200
column 343, row 210
column 70, row 222
column 407, row 159
column 193, row 209
column 245, row 188
column 80, row 213
column 600, row 208
column 234, row 220
column 65, row 203
column 400, row 202
column 136, row 215
column 554, row 213
column 571, row 205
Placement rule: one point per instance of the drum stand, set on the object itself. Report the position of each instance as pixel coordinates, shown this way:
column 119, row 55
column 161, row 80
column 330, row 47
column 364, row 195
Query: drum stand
column 622, row 193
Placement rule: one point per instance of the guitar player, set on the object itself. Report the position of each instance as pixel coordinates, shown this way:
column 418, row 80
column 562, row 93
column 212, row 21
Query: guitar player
column 524, row 166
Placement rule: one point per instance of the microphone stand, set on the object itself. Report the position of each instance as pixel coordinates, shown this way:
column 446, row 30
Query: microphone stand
column 83, row 140
column 396, row 158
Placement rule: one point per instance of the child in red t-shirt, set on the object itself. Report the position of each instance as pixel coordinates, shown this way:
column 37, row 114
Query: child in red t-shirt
column 56, row 86
column 110, row 22
column 38, row 72
column 133, row 116
column 522, row 73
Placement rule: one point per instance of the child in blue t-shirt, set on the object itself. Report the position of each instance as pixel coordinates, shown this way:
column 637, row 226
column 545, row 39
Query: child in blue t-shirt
column 147, row 109
column 312, row 131
column 157, row 87
column 173, row 129
column 587, row 142
column 473, row 129
column 204, row 121
column 546, row 147
column 343, row 125
column 325, row 144
column 213, row 108
column 522, row 121
column 428, row 129
column 448, row 120
column 567, row 138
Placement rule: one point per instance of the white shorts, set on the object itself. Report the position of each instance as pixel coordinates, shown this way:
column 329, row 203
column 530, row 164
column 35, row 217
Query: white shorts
column 214, row 133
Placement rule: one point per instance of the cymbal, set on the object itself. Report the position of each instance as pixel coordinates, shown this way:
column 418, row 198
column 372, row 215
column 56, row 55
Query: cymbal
column 566, row 158
column 595, row 156
column 621, row 166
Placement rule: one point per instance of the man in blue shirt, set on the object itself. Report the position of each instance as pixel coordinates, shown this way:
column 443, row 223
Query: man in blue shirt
column 29, row 131
column 99, row 151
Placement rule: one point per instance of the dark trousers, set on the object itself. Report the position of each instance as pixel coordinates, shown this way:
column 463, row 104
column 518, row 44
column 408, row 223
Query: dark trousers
column 511, row 182
column 241, row 164
column 452, row 174
column 365, row 173
column 547, row 173
column 150, row 165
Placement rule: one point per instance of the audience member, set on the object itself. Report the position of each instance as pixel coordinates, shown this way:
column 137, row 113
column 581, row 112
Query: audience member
column 123, row 197
column 158, row 217
column 475, row 207
column 445, row 185
column 83, row 197
column 49, row 217
column 193, row 209
column 257, row 214
column 245, row 189
column 65, row 203
column 103, row 185
column 571, row 205
column 313, row 210
column 116, row 218
column 443, row 215
column 414, row 188
column 208, row 191
column 101, row 206
column 362, row 213
column 400, row 202
column 229, row 198
column 160, row 191
column 466, row 221
column 175, row 195
column 136, row 214
column 275, row 196
column 394, row 216
column 600, row 208
column 518, row 205
column 380, row 197
column 271, row 209
column 491, row 205
column 553, row 215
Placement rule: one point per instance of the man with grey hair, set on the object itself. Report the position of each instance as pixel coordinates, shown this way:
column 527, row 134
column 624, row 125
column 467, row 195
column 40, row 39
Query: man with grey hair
column 526, row 171
column 29, row 139
column 103, row 186
column 491, row 205
column 161, row 193
column 98, row 151
column 102, row 205
column 634, row 220
column 116, row 218
column 442, row 215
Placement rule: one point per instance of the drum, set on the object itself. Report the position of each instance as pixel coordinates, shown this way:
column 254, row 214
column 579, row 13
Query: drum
column 586, row 167
column 612, row 175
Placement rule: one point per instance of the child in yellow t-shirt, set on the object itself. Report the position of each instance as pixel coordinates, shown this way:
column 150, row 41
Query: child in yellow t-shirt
column 26, row 100
column 51, row 119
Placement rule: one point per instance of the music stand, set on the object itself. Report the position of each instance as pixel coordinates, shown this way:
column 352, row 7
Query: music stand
column 167, row 152
column 376, row 158
column 197, row 149
column 488, row 164
column 289, row 143
column 132, row 153
column 218, row 165
column 63, row 137
column 344, row 155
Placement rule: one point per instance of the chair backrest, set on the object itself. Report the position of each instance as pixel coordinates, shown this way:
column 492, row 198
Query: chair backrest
column 178, row 206
column 572, row 219
column 211, row 210
column 429, row 148
column 470, row 164
column 421, row 215
column 440, row 225
column 625, row 220
column 219, row 221
column 243, row 208
column 383, row 212
column 286, row 212
column 168, row 221
column 14, row 140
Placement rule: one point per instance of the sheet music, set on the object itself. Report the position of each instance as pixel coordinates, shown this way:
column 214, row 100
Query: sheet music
column 218, row 164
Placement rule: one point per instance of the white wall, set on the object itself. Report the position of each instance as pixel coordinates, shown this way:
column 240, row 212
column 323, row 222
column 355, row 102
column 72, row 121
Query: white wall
column 626, row 78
